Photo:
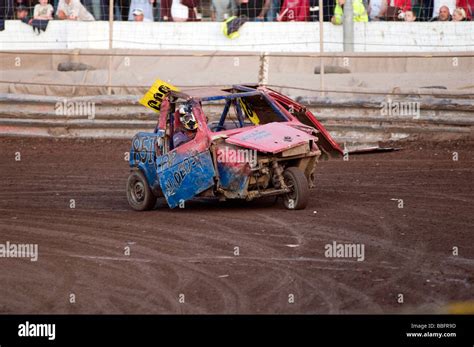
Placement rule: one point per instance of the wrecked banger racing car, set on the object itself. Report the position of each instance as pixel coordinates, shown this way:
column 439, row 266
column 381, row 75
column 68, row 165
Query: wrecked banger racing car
column 263, row 144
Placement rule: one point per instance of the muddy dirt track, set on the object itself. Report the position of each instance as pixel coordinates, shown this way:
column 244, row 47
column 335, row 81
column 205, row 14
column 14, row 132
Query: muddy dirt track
column 190, row 251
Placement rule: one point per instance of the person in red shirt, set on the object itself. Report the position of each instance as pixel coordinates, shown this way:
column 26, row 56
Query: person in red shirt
column 468, row 6
column 294, row 11
column 403, row 5
column 192, row 6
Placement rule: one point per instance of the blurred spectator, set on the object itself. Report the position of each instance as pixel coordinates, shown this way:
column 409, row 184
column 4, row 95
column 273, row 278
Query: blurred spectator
column 360, row 14
column 404, row 5
column 437, row 4
column 167, row 5
column 124, row 6
column 400, row 6
column 410, row 16
column 468, row 6
column 328, row 10
column 165, row 10
column 95, row 7
column 29, row 4
column 104, row 10
column 21, row 13
column 117, row 11
column 254, row 10
column 273, row 10
column 157, row 10
column 145, row 5
column 193, row 13
column 376, row 9
column 73, row 10
column 43, row 10
column 443, row 16
column 425, row 11
column 459, row 15
column 7, row 9
column 100, row 9
column 222, row 9
column 294, row 11
column 179, row 12
column 139, row 16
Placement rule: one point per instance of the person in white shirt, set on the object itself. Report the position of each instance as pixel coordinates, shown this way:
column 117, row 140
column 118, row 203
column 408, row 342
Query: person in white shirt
column 139, row 16
column 73, row 10
column 437, row 4
column 222, row 9
column 375, row 9
column 43, row 10
column 145, row 5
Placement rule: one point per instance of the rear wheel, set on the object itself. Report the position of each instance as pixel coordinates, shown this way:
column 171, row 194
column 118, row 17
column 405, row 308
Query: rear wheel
column 295, row 180
column 139, row 195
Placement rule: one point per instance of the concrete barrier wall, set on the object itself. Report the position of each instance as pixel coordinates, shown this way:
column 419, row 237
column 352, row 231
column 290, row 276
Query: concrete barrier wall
column 255, row 37
column 354, row 122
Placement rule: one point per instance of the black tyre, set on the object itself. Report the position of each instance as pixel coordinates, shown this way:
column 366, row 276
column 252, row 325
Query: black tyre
column 139, row 194
column 298, row 197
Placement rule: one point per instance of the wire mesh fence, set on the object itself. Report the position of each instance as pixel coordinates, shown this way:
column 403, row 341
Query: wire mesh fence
column 251, row 10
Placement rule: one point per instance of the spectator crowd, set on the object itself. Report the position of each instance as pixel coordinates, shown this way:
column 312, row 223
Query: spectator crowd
column 253, row 10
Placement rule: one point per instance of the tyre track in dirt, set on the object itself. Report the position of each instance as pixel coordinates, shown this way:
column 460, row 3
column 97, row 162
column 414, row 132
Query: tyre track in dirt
column 190, row 251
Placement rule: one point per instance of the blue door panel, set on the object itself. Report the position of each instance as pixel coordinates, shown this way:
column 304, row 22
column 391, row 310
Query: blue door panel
column 182, row 176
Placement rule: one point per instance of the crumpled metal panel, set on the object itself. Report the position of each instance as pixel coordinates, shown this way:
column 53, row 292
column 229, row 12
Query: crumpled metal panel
column 270, row 138
column 185, row 175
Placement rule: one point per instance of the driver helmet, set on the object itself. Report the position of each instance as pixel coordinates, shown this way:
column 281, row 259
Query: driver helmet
column 187, row 118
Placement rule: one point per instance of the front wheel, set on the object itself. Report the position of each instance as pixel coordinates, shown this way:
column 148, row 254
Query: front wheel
column 139, row 195
column 295, row 180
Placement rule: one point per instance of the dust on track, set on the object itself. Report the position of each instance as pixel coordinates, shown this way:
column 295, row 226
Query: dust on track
column 191, row 251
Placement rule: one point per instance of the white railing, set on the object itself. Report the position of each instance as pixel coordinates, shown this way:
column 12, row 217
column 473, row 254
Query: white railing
column 296, row 37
